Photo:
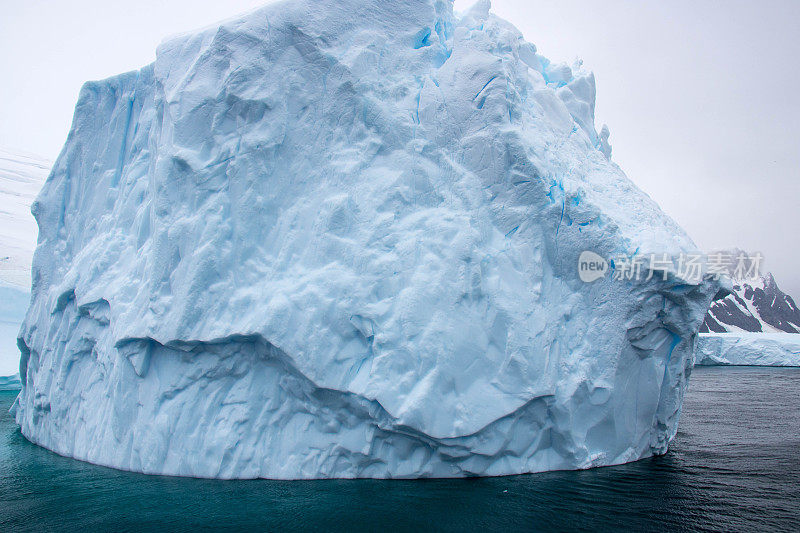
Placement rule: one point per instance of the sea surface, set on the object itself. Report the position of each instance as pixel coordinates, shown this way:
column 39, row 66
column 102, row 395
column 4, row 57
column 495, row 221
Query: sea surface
column 734, row 466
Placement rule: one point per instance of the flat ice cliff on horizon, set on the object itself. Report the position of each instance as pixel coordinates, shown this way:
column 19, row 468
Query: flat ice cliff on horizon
column 340, row 239
column 748, row 349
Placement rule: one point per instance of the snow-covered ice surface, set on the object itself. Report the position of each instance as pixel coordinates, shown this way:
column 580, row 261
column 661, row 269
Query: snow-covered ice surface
column 748, row 349
column 21, row 178
column 340, row 239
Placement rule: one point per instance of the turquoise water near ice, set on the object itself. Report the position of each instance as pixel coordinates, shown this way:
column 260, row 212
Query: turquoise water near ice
column 735, row 465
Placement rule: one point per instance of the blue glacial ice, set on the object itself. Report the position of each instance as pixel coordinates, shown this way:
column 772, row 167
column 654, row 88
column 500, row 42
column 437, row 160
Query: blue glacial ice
column 339, row 239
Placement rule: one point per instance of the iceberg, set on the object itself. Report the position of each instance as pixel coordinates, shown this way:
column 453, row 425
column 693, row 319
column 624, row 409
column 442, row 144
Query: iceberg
column 748, row 349
column 341, row 239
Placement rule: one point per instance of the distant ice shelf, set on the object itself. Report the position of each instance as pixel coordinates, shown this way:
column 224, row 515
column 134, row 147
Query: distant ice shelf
column 10, row 383
column 14, row 301
column 748, row 349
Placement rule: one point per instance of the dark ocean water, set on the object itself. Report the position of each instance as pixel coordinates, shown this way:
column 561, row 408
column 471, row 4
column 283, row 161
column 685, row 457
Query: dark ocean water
column 734, row 466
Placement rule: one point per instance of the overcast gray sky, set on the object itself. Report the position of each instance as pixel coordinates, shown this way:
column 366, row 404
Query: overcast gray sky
column 701, row 96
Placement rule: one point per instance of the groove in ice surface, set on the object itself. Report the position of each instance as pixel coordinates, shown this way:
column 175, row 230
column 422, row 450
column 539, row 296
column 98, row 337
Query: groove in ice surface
column 301, row 250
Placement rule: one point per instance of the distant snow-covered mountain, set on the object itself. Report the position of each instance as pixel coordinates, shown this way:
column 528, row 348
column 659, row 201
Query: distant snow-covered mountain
column 21, row 177
column 754, row 306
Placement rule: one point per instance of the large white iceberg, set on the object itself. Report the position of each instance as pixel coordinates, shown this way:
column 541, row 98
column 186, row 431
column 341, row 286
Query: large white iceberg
column 340, row 239
column 748, row 349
